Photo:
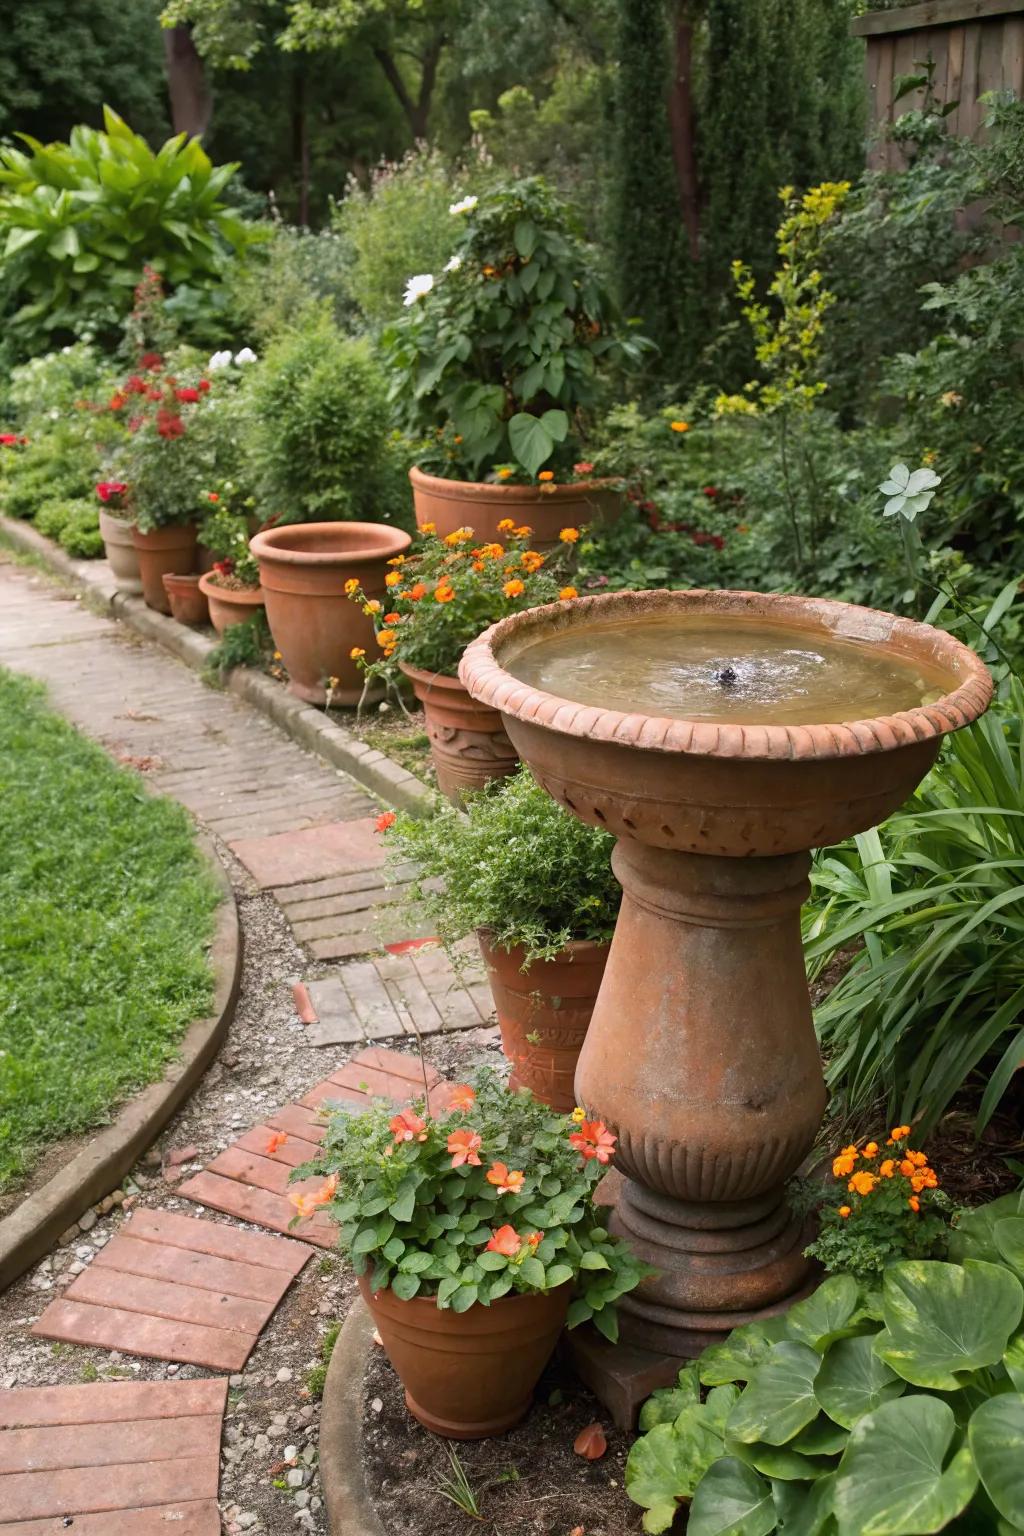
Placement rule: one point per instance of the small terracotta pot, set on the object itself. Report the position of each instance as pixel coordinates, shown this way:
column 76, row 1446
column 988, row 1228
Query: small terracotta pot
column 552, row 1000
column 467, row 740
column 303, row 570
column 229, row 605
column 188, row 602
column 122, row 558
column 468, row 1375
column 452, row 504
column 164, row 551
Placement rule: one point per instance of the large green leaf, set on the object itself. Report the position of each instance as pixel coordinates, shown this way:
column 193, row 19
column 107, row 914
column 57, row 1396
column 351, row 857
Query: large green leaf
column 996, row 1437
column 666, row 1404
column 973, row 1237
column 803, row 1510
column 531, row 441
column 779, row 1400
column 668, row 1462
column 826, row 1314
column 1013, row 1360
column 1009, row 1236
column 780, row 1462
column 892, row 1480
column 943, row 1320
column 853, row 1381
column 738, row 1356
column 732, row 1500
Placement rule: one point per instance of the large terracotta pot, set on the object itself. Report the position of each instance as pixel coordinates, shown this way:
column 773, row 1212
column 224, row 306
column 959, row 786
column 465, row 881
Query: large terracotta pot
column 164, row 551
column 187, row 599
column 452, row 504
column 468, row 1375
column 303, row 570
column 543, row 1012
column 229, row 605
column 116, row 533
column 468, row 743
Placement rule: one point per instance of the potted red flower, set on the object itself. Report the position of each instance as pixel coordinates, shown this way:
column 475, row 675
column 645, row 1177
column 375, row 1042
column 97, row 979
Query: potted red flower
column 116, row 533
column 475, row 1239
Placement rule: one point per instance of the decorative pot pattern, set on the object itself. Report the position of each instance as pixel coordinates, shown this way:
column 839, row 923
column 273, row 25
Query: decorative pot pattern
column 468, row 1375
column 164, row 551
column 544, row 1012
column 452, row 504
column 229, row 605
column 187, row 599
column 468, row 743
column 303, row 570
column 116, row 533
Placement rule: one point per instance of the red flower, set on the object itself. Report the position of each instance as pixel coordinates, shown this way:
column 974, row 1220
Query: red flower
column 224, row 567
column 8, row 439
column 149, row 362
column 407, row 1126
column 118, row 401
column 383, row 822
column 506, row 1241
column 462, row 1097
column 212, row 496
column 187, row 395
column 583, row 468
column 169, row 424
column 711, row 491
column 135, row 423
column 204, row 385
column 154, row 394
column 108, row 490
column 593, row 1139
column 134, row 386
column 464, row 1145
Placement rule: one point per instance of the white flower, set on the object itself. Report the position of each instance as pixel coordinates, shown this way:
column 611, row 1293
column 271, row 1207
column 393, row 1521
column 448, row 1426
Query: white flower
column 417, row 287
column 247, row 355
column 453, row 264
column 219, row 360
column 465, row 206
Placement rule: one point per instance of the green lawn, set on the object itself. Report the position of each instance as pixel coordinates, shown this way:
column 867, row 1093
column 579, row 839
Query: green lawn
column 106, row 911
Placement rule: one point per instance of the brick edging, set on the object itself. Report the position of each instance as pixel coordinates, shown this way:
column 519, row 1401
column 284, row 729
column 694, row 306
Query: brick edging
column 32, row 1228
column 310, row 727
column 350, row 1510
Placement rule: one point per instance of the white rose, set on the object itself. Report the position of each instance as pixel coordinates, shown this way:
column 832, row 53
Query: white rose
column 465, row 206
column 247, row 355
column 417, row 288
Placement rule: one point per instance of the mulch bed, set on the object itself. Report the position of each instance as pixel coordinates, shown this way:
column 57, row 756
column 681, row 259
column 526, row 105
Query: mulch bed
column 529, row 1482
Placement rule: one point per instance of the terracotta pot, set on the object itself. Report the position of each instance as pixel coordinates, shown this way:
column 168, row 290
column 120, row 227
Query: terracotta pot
column 468, row 1375
column 552, row 1000
column 303, row 570
column 188, row 603
column 467, row 740
column 229, row 605
column 122, row 558
column 451, row 504
column 170, row 551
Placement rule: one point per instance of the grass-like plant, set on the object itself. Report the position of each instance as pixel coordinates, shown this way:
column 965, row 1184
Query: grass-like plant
column 105, row 914
column 935, row 899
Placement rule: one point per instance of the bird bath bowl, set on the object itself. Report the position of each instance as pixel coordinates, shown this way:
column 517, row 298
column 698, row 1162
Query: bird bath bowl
column 719, row 736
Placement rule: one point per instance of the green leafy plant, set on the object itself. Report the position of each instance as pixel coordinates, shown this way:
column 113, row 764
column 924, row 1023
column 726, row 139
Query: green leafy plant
column 246, row 644
column 75, row 524
column 893, row 1412
column 224, row 531
column 936, row 898
column 493, row 1198
column 511, row 347
column 78, row 221
column 514, row 863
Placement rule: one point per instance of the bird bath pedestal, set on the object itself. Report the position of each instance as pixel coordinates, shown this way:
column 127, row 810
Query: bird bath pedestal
column 719, row 736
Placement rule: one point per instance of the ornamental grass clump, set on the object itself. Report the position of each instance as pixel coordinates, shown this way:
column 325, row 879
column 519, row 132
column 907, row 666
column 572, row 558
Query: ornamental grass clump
column 490, row 1198
column 448, row 590
column 516, row 865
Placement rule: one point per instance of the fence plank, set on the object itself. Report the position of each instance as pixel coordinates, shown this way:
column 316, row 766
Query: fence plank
column 933, row 13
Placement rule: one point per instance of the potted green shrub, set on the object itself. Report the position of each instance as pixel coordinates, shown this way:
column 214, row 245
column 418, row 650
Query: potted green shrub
column 232, row 585
column 438, row 599
column 475, row 1237
column 502, row 363
column 536, row 886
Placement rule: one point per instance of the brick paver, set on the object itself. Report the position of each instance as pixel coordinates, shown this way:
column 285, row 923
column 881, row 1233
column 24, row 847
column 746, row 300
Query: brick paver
column 156, row 1289
column 411, row 993
column 117, row 1458
column 287, row 858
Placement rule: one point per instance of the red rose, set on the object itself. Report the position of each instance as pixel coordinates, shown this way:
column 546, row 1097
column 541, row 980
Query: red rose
column 188, row 396
column 134, row 386
column 711, row 491
column 149, row 362
column 224, row 567
column 154, row 394
column 109, row 490
column 8, row 439
column 168, row 424
column 204, row 385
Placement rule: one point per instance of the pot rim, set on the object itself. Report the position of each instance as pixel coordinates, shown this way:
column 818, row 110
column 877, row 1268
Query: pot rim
column 380, row 540
column 483, row 490
column 428, row 1304
column 444, row 680
column 488, row 681
column 190, row 578
column 243, row 595
column 575, row 949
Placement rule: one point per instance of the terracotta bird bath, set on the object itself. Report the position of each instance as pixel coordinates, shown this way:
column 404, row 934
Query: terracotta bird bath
column 719, row 736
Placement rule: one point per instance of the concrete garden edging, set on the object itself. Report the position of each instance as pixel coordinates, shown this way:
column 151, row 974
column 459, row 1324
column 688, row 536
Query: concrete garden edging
column 350, row 1511
column 310, row 727
column 33, row 1227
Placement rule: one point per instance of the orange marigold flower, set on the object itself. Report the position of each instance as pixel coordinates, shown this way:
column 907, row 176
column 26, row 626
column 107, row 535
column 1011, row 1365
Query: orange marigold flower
column 506, row 525
column 356, row 652
column 276, row 1142
column 392, row 578
column 567, row 594
column 494, row 551
column 351, row 586
column 907, row 1168
column 680, row 426
column 464, row 1147
column 478, row 565
column 546, row 474
column 914, row 1203
column 373, row 606
column 386, row 637
column 569, row 535
column 392, row 618
column 462, row 1097
column 416, row 592
column 514, row 588
column 504, row 473
column 850, row 1151
column 443, row 593
column 523, row 532
column 842, row 1166
column 428, row 528
column 871, row 1150
column 384, row 821
column 593, row 1139
column 918, row 1159
column 887, row 1169
column 862, row 1183
column 505, row 1240
column 531, row 560
column 844, row 1211
column 506, row 1181
column 397, row 560
column 898, row 1133
column 407, row 1126
column 459, row 536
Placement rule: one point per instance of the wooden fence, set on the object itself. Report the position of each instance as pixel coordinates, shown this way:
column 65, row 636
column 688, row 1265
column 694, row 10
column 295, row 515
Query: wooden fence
column 977, row 46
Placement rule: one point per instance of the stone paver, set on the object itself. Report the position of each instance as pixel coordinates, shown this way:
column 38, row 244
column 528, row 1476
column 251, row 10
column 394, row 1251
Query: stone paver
column 117, row 1458
column 411, row 993
column 175, row 1288
column 287, row 858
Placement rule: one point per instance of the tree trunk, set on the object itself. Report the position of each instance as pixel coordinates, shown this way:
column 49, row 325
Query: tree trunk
column 680, row 112
column 187, row 87
column 417, row 112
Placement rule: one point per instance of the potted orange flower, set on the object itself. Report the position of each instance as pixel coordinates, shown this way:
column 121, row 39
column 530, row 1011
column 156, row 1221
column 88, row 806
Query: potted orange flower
column 475, row 1239
column 437, row 600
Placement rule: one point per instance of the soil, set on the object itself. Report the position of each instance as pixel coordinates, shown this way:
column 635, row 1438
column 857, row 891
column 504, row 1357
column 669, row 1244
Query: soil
column 529, row 1482
column 398, row 732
